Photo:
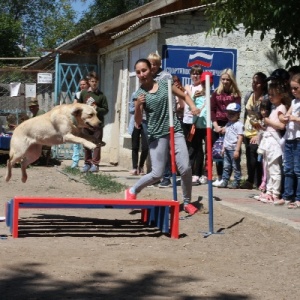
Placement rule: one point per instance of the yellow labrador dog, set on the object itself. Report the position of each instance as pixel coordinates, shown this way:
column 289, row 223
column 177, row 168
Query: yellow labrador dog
column 62, row 124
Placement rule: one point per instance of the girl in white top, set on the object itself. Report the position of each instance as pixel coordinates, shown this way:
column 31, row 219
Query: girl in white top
column 270, row 144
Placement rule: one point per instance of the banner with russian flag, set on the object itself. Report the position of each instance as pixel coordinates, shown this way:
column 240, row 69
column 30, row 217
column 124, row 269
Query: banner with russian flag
column 200, row 58
column 178, row 60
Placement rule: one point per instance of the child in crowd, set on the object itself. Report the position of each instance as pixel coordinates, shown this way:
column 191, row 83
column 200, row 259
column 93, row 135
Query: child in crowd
column 139, row 135
column 83, row 85
column 234, row 133
column 292, row 149
column 270, row 144
column 194, row 141
column 200, row 122
column 265, row 109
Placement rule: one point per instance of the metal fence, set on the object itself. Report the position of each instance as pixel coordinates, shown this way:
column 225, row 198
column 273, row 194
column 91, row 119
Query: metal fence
column 68, row 83
column 19, row 104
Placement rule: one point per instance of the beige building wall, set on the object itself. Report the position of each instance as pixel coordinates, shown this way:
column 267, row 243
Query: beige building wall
column 185, row 29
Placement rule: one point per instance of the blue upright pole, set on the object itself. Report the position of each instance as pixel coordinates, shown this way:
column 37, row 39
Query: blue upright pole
column 56, row 85
column 209, row 159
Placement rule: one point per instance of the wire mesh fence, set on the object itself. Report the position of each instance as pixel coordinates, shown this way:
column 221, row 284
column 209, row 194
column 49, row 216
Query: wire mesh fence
column 15, row 108
column 19, row 104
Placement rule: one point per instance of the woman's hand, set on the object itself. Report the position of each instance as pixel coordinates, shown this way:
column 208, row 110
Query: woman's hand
column 197, row 94
column 140, row 100
column 222, row 130
column 137, row 126
column 195, row 111
column 254, row 140
column 236, row 154
column 217, row 128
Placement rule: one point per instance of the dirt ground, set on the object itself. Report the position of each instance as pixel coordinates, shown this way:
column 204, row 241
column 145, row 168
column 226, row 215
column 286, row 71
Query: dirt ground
column 109, row 254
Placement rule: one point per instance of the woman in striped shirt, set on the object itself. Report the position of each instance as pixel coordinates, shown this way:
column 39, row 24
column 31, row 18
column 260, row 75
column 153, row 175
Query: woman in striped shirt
column 152, row 97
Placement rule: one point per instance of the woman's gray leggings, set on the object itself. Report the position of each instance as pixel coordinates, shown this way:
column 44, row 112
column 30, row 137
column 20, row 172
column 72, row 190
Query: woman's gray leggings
column 159, row 151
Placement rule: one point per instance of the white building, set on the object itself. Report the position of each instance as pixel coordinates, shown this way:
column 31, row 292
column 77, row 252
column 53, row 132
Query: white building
column 177, row 24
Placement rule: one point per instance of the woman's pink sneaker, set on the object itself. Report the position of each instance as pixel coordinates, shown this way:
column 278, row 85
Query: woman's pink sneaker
column 129, row 195
column 190, row 209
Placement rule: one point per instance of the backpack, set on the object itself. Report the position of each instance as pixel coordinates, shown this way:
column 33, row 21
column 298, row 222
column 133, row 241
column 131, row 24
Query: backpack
column 217, row 148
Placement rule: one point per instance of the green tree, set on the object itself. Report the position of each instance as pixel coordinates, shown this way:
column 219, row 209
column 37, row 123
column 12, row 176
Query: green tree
column 10, row 32
column 281, row 17
column 103, row 10
column 45, row 23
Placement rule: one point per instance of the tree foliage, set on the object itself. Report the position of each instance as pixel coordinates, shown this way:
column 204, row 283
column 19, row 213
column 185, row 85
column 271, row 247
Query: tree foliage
column 10, row 32
column 49, row 23
column 281, row 17
column 44, row 23
column 103, row 10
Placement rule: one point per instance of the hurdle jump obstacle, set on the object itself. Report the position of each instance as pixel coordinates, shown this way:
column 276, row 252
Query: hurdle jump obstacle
column 164, row 214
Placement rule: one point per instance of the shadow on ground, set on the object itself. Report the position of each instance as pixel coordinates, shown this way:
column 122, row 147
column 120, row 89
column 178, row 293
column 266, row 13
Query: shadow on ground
column 27, row 282
column 40, row 225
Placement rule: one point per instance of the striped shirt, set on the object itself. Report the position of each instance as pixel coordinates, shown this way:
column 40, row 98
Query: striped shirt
column 157, row 111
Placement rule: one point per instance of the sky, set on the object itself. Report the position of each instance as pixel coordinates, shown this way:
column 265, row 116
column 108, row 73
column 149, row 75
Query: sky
column 79, row 6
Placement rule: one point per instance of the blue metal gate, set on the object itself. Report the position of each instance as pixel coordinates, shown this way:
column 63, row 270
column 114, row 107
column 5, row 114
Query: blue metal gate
column 69, row 76
column 67, row 84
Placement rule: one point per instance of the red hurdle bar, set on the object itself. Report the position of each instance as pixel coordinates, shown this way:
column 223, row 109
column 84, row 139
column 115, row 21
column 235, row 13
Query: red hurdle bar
column 20, row 202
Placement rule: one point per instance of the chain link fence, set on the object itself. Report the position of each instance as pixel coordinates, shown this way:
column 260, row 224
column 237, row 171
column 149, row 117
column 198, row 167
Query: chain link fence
column 15, row 109
column 19, row 104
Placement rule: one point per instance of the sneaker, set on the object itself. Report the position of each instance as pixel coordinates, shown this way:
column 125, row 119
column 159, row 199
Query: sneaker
column 74, row 165
column 133, row 172
column 85, row 168
column 234, row 186
column 257, row 197
column 222, row 185
column 94, row 169
column 195, row 180
column 190, row 209
column 129, row 195
column 154, row 184
column 203, row 179
column 279, row 202
column 217, row 182
column 247, row 185
column 165, row 183
column 266, row 198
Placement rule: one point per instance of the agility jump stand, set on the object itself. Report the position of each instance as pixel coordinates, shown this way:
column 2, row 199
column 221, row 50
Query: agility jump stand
column 163, row 214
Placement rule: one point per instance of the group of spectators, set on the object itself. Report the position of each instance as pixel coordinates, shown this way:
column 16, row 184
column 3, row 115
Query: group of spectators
column 270, row 131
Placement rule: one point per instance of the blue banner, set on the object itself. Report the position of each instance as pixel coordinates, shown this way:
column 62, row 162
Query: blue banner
column 178, row 60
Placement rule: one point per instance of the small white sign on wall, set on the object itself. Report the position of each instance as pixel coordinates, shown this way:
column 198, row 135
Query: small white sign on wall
column 30, row 90
column 44, row 78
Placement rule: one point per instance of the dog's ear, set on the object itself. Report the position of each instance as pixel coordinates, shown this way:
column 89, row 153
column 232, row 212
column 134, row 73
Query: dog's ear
column 76, row 111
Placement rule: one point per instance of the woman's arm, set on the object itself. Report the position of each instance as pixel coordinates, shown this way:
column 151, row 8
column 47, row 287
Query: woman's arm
column 187, row 99
column 274, row 124
column 138, row 113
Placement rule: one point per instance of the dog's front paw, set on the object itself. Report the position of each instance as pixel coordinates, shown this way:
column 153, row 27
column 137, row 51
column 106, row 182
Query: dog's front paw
column 90, row 145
